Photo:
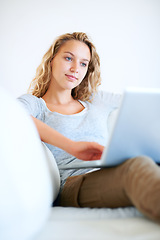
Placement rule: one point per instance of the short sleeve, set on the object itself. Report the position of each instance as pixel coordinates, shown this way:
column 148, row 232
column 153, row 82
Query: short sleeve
column 31, row 104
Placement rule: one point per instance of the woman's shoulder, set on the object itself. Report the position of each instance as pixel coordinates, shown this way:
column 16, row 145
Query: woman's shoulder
column 31, row 103
column 28, row 97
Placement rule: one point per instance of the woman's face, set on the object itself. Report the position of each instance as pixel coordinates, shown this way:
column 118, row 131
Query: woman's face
column 70, row 64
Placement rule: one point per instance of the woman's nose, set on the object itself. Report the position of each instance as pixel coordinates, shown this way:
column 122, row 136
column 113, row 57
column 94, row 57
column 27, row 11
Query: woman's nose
column 74, row 68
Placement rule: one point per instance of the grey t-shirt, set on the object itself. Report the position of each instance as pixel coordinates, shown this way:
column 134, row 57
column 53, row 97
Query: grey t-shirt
column 91, row 124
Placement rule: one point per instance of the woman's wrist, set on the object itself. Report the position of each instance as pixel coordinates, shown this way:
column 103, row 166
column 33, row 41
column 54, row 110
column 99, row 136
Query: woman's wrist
column 68, row 145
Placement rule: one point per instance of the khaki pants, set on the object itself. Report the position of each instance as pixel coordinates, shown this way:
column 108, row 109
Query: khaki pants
column 136, row 182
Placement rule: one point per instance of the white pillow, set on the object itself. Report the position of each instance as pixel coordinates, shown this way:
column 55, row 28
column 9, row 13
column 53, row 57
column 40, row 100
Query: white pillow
column 25, row 184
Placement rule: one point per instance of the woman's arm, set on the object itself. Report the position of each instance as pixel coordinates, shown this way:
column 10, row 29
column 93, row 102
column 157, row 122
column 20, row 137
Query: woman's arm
column 81, row 150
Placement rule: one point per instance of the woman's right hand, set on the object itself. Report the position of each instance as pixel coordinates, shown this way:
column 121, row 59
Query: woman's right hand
column 86, row 151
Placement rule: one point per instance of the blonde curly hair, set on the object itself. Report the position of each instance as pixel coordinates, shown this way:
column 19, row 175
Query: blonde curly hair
column 91, row 81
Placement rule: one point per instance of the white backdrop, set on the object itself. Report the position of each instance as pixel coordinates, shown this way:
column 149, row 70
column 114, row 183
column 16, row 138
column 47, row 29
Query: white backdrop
column 125, row 32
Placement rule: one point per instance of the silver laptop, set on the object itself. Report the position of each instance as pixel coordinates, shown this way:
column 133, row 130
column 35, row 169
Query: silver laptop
column 136, row 131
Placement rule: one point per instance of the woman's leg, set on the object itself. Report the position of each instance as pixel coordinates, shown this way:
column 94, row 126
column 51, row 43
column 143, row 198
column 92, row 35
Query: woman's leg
column 142, row 186
column 101, row 188
column 104, row 188
column 135, row 182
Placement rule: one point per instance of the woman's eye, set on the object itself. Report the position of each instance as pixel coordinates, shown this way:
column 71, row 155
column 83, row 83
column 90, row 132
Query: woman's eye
column 68, row 58
column 83, row 64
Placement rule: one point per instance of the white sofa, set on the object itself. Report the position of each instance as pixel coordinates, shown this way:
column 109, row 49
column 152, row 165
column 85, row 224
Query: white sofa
column 29, row 182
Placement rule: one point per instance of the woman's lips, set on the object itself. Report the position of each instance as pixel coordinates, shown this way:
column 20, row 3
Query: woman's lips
column 71, row 77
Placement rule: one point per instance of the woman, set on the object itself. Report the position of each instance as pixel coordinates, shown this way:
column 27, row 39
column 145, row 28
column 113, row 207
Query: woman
column 71, row 118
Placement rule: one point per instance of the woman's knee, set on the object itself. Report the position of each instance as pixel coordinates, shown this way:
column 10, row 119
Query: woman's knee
column 142, row 186
column 139, row 161
column 137, row 167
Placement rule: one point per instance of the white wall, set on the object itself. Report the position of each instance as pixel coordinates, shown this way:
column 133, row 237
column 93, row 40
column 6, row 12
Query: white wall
column 125, row 32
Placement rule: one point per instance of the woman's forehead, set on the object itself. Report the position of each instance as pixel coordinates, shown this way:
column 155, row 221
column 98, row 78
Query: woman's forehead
column 77, row 48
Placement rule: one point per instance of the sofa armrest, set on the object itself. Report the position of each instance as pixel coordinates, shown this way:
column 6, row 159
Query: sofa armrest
column 53, row 171
column 26, row 188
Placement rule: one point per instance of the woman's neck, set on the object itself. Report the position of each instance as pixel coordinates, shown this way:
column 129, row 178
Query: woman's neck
column 62, row 102
column 58, row 97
